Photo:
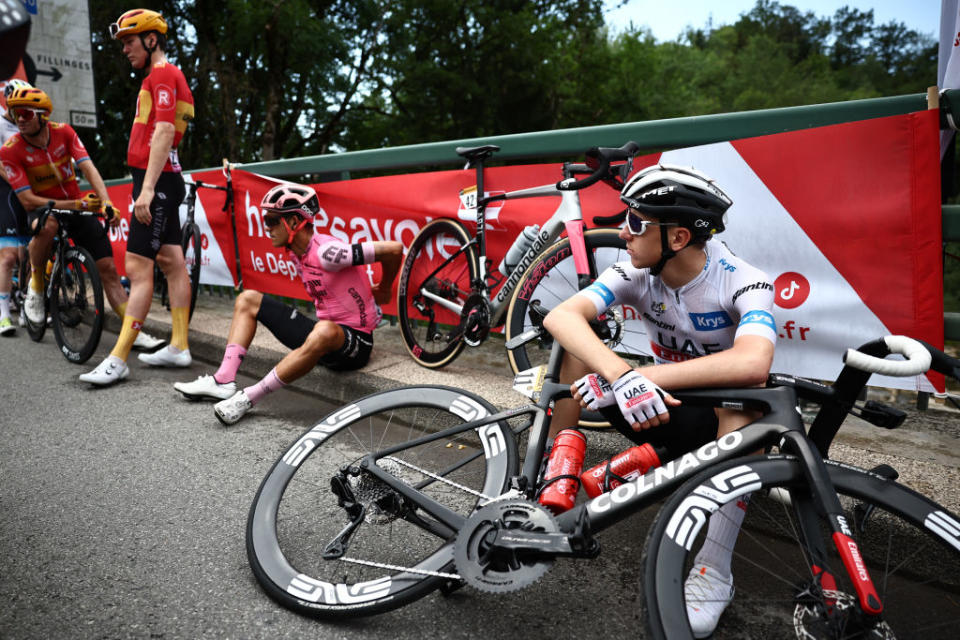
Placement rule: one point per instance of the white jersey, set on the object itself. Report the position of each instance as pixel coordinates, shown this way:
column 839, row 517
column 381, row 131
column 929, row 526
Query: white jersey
column 7, row 129
column 728, row 299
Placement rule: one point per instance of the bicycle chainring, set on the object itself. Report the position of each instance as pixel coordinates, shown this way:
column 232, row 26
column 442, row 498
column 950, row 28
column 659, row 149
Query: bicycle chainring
column 501, row 571
column 475, row 319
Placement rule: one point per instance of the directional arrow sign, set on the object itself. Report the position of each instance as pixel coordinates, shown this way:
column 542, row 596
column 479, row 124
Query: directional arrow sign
column 54, row 73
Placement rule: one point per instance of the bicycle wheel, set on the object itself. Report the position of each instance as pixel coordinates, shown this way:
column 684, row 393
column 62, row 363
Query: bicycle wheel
column 76, row 305
column 192, row 254
column 397, row 553
column 435, row 284
column 910, row 545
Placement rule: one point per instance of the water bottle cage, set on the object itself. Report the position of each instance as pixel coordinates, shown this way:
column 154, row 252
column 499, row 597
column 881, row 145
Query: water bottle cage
column 610, row 475
column 544, row 485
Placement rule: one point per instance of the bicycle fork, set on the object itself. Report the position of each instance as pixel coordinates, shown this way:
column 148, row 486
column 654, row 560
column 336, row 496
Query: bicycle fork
column 823, row 499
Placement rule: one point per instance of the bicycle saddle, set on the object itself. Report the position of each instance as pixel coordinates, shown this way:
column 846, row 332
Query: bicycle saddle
column 473, row 154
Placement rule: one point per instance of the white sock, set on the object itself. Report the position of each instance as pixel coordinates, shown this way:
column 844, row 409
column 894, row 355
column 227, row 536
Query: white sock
column 4, row 304
column 722, row 531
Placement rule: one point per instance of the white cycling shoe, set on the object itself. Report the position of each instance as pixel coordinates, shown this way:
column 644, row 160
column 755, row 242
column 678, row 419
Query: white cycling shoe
column 111, row 370
column 229, row 411
column 707, row 594
column 33, row 306
column 167, row 357
column 147, row 342
column 206, row 387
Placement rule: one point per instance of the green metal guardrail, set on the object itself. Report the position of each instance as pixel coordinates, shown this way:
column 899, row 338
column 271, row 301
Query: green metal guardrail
column 653, row 135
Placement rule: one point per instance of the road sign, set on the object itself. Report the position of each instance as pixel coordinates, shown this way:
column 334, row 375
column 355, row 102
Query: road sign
column 59, row 59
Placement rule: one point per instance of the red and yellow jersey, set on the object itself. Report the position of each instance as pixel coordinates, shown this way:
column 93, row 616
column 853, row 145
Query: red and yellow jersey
column 164, row 97
column 48, row 171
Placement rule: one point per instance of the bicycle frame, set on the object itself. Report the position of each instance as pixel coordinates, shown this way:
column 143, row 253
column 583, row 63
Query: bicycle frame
column 780, row 425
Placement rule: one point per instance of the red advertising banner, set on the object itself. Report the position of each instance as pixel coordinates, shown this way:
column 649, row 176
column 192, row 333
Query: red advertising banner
column 845, row 219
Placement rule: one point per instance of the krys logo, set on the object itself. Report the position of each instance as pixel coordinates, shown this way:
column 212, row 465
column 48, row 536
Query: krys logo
column 791, row 290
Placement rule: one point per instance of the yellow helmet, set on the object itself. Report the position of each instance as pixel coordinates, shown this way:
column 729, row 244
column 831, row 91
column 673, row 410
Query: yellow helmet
column 137, row 21
column 29, row 98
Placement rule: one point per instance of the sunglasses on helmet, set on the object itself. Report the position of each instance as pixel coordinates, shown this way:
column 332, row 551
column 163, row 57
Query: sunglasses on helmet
column 638, row 226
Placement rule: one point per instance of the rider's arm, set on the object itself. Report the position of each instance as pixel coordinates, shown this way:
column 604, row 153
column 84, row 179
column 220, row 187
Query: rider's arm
column 31, row 201
column 93, row 176
column 568, row 323
column 160, row 144
column 390, row 256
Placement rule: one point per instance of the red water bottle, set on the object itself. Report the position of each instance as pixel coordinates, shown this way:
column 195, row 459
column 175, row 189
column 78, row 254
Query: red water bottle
column 626, row 465
column 561, row 479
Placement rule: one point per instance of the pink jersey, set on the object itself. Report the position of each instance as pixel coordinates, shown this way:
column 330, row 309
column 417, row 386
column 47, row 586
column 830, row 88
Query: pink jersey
column 332, row 273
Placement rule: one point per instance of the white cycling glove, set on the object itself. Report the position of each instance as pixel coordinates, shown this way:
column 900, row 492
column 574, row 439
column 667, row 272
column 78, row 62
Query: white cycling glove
column 595, row 391
column 638, row 398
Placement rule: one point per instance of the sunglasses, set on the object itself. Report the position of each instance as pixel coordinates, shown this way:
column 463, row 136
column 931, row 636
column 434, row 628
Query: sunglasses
column 23, row 114
column 637, row 226
column 271, row 221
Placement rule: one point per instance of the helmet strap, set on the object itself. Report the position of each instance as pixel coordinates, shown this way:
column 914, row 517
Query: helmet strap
column 665, row 253
column 292, row 232
column 149, row 50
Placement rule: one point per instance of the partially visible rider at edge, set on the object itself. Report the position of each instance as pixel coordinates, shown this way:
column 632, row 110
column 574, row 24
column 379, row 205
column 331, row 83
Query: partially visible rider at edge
column 708, row 316
column 39, row 165
column 13, row 221
column 333, row 274
column 164, row 108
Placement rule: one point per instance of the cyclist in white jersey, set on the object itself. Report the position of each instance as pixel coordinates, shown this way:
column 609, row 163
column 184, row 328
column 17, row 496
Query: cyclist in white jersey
column 333, row 274
column 708, row 316
column 13, row 220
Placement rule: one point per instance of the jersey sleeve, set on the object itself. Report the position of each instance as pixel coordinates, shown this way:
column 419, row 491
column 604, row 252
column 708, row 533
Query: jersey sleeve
column 163, row 92
column 752, row 300
column 77, row 150
column 336, row 255
column 16, row 176
column 618, row 283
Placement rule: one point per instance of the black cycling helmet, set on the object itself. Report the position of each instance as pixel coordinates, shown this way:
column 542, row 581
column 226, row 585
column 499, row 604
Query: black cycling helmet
column 678, row 194
column 671, row 193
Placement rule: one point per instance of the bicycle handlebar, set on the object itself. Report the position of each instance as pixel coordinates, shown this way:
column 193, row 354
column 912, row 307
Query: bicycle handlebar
column 603, row 156
column 918, row 358
column 48, row 209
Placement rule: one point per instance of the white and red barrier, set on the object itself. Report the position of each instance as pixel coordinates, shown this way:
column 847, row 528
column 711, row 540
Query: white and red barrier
column 846, row 219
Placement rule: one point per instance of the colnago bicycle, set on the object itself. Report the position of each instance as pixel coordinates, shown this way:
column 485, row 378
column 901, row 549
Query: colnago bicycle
column 444, row 297
column 409, row 490
column 191, row 240
column 73, row 292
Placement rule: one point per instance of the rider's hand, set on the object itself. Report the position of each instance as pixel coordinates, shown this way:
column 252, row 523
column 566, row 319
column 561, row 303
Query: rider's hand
column 593, row 392
column 642, row 403
column 381, row 296
column 89, row 202
column 113, row 216
column 141, row 208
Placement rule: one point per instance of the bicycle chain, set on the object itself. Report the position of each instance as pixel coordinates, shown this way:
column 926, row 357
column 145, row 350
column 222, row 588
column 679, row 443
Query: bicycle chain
column 439, row 478
column 394, row 567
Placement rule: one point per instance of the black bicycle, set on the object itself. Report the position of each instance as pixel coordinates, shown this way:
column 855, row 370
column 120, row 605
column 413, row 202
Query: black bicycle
column 73, row 291
column 191, row 241
column 418, row 488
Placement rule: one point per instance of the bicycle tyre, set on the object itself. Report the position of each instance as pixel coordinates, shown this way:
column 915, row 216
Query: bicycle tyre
column 76, row 305
column 279, row 537
column 34, row 329
column 431, row 332
column 551, row 280
column 902, row 524
column 191, row 245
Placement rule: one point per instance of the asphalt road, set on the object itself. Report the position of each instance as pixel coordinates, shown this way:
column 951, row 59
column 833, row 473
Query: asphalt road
column 123, row 510
column 122, row 515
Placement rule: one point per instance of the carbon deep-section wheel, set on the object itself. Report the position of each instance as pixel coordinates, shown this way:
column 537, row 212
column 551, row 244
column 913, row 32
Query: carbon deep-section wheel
column 909, row 545
column 329, row 537
column 76, row 305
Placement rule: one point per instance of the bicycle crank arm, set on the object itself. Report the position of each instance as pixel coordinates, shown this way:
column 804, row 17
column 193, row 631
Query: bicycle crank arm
column 553, row 545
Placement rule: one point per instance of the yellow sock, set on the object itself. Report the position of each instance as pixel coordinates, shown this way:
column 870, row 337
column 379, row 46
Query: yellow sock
column 128, row 333
column 180, row 317
column 36, row 281
column 121, row 309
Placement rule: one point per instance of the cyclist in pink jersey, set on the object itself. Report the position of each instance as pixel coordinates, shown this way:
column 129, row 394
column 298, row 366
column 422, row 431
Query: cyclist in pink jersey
column 333, row 273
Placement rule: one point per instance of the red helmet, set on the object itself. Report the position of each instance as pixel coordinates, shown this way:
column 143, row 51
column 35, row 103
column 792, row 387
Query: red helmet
column 287, row 199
